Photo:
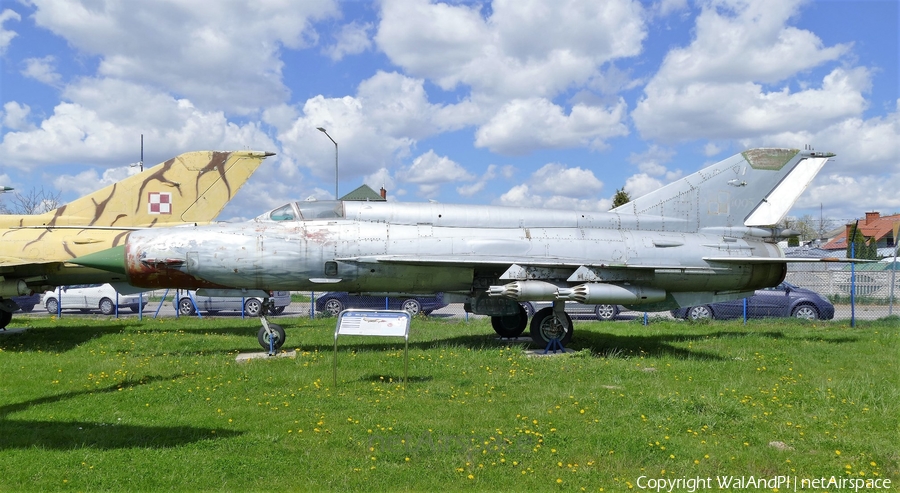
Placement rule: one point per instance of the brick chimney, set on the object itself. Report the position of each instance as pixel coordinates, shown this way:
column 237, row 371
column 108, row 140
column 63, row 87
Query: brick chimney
column 872, row 216
column 383, row 193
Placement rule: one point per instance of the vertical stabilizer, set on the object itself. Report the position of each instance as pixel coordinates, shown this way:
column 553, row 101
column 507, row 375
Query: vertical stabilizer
column 754, row 188
column 192, row 187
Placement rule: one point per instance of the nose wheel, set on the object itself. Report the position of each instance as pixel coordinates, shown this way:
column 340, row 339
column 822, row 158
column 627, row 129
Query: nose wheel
column 271, row 336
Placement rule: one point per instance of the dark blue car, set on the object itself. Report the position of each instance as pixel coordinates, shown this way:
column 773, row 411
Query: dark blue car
column 784, row 300
column 333, row 303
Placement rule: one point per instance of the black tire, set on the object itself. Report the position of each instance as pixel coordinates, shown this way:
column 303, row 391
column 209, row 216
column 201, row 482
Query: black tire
column 27, row 308
column 52, row 306
column 700, row 312
column 807, row 312
column 606, row 313
column 186, row 307
column 276, row 310
column 545, row 326
column 263, row 337
column 107, row 307
column 332, row 307
column 5, row 318
column 411, row 306
column 252, row 307
column 510, row 326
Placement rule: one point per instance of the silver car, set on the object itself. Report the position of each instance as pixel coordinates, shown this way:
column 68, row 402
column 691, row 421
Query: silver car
column 251, row 306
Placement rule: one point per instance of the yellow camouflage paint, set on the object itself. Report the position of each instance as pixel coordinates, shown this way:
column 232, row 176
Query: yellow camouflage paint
column 193, row 187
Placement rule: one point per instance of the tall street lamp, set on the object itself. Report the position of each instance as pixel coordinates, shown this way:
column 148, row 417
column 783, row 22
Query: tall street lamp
column 321, row 129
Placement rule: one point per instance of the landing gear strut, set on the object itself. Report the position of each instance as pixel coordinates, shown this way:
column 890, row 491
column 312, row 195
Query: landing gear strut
column 271, row 336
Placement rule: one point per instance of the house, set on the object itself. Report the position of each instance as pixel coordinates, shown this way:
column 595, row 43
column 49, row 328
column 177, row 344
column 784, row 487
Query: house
column 365, row 194
column 882, row 228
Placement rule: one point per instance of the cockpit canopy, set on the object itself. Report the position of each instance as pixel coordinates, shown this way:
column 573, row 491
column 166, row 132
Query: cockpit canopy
column 305, row 211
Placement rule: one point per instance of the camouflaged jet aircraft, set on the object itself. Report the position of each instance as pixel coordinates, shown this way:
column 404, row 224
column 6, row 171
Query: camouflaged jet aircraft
column 191, row 188
column 708, row 237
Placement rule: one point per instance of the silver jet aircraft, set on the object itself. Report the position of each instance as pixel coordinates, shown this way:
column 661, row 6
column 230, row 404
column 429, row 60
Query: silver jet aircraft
column 708, row 237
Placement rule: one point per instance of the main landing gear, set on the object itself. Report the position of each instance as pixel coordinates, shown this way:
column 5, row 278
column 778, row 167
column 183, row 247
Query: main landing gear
column 271, row 336
column 548, row 324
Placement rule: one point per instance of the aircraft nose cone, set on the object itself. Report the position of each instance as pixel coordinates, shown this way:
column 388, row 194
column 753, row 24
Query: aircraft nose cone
column 111, row 260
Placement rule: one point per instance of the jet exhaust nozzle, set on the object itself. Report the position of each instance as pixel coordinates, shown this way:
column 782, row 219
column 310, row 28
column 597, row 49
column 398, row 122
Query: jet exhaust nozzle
column 526, row 291
column 602, row 293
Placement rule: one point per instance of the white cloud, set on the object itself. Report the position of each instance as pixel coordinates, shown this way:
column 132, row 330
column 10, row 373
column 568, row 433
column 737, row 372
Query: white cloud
column 652, row 160
column 718, row 86
column 42, row 70
column 6, row 36
column 641, row 184
column 15, row 116
column 102, row 123
column 522, row 126
column 353, row 39
column 556, row 186
column 377, row 128
column 429, row 171
column 89, row 181
column 226, row 56
column 737, row 40
column 499, row 56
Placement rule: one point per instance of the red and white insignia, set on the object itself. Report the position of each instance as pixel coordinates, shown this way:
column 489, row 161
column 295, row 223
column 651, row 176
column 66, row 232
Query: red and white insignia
column 159, row 203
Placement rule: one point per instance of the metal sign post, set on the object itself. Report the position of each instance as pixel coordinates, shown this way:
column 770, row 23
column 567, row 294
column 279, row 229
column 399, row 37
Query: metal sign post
column 385, row 323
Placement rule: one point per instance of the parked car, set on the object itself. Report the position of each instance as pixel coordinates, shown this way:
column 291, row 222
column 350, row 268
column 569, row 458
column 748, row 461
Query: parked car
column 87, row 297
column 27, row 302
column 333, row 303
column 574, row 309
column 784, row 300
column 214, row 304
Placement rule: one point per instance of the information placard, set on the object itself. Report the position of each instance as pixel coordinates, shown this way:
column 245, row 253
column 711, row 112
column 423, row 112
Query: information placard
column 383, row 323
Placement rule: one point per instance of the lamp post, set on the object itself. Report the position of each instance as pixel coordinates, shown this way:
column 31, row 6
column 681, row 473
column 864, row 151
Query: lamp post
column 321, row 129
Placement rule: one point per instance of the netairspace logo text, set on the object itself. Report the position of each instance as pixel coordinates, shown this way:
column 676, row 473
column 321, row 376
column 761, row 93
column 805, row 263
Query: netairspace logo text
column 781, row 483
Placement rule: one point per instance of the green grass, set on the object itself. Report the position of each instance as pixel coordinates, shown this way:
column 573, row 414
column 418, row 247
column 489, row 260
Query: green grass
column 99, row 404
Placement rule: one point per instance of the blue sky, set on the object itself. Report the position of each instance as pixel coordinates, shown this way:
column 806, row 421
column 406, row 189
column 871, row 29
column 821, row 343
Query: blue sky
column 515, row 102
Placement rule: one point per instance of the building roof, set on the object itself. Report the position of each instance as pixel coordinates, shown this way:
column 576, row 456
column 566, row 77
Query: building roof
column 364, row 193
column 874, row 225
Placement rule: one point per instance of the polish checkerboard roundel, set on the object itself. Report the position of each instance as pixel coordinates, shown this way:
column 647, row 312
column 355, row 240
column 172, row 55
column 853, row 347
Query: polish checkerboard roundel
column 159, row 203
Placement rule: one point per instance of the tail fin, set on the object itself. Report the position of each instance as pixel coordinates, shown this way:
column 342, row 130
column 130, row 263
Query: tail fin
column 192, row 187
column 755, row 188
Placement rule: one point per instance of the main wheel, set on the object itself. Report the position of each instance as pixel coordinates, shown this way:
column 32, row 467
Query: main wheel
column 5, row 318
column 252, row 307
column 52, row 306
column 186, row 307
column 808, row 312
column 511, row 325
column 333, row 307
column 411, row 306
column 546, row 326
column 107, row 307
column 606, row 312
column 263, row 337
column 698, row 313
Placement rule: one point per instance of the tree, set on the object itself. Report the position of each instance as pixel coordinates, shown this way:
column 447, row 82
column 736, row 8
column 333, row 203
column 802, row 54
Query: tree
column 621, row 198
column 33, row 202
column 862, row 247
